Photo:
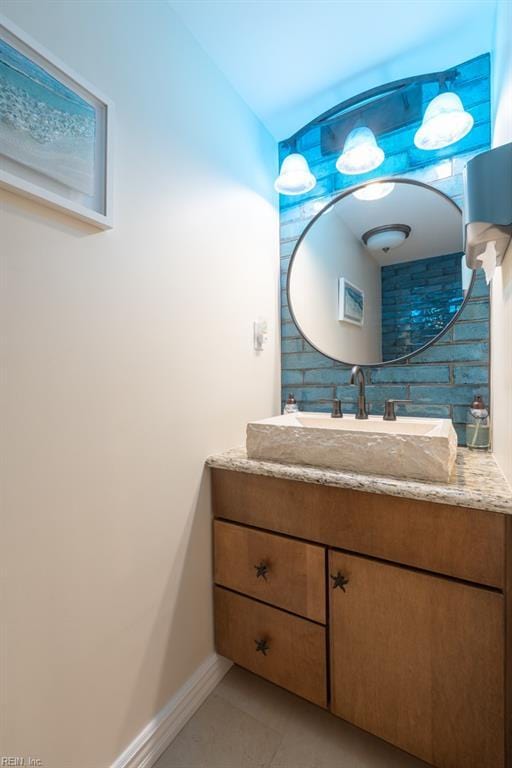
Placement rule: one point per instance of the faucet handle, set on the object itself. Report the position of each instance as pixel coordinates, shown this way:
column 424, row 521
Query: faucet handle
column 389, row 408
column 336, row 412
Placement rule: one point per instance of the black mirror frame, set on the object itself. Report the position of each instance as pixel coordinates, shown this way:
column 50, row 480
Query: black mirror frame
column 345, row 193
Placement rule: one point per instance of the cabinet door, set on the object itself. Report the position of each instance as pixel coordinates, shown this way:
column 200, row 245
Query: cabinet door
column 419, row 661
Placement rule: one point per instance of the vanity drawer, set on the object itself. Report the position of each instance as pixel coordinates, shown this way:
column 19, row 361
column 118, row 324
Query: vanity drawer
column 468, row 544
column 292, row 650
column 287, row 573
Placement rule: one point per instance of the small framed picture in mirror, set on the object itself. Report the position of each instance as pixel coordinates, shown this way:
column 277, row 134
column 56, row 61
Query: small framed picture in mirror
column 351, row 302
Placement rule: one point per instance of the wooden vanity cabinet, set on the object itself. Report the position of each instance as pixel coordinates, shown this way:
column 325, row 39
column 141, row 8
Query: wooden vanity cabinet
column 412, row 642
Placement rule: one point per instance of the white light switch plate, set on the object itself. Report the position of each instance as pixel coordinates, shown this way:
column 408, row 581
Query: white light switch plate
column 260, row 334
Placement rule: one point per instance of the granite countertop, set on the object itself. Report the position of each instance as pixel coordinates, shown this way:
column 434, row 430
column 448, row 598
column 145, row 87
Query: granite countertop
column 477, row 481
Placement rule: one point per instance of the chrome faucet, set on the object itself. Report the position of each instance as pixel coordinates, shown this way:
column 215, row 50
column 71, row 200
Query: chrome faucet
column 357, row 373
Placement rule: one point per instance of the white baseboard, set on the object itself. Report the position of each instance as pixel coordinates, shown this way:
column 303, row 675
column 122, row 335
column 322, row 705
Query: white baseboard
column 147, row 747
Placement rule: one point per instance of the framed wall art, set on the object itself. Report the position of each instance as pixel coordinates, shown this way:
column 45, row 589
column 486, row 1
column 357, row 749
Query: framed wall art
column 351, row 303
column 55, row 131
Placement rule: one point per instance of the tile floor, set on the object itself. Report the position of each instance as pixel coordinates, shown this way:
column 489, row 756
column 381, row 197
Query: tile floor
column 249, row 723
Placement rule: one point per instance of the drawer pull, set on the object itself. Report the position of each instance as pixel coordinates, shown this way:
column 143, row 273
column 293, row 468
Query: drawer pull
column 339, row 581
column 262, row 646
column 261, row 570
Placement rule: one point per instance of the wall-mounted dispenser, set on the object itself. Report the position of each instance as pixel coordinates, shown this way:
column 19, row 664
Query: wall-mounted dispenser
column 488, row 208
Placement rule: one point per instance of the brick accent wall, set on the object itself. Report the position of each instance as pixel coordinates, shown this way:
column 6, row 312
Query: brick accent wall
column 442, row 380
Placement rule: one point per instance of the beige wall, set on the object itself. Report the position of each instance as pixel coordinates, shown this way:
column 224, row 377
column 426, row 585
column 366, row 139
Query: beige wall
column 127, row 358
column 501, row 305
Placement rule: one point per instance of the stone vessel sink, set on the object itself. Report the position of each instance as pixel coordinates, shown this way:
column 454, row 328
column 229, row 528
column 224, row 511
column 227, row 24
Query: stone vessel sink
column 411, row 448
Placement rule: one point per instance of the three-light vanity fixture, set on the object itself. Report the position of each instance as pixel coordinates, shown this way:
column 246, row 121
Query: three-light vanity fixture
column 445, row 121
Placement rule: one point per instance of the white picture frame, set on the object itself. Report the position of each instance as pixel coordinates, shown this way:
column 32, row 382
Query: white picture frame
column 350, row 303
column 31, row 175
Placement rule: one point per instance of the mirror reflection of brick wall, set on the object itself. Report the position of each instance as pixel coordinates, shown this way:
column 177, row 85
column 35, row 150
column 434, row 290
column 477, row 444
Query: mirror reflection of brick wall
column 442, row 380
column 419, row 299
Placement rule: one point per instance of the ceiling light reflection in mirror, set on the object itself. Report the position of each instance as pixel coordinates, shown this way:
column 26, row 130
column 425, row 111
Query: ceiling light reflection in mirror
column 374, row 191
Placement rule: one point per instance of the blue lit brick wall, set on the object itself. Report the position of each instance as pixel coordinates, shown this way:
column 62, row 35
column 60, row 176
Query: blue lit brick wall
column 441, row 381
column 419, row 299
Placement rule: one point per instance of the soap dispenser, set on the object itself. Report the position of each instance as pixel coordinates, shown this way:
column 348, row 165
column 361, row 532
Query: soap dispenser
column 291, row 404
column 477, row 428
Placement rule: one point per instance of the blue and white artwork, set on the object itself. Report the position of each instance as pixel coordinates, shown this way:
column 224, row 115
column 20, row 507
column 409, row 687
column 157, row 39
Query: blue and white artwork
column 44, row 125
column 351, row 303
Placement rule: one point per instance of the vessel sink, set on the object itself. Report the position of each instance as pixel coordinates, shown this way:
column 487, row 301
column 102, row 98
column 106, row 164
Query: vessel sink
column 412, row 448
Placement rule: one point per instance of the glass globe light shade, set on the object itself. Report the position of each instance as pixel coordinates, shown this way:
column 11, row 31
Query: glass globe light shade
column 445, row 121
column 295, row 177
column 360, row 152
column 375, row 191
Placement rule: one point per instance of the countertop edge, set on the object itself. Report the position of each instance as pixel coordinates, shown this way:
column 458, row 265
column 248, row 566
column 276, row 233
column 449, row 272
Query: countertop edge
column 500, row 502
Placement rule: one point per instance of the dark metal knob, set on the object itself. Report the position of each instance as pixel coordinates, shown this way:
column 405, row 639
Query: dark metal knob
column 339, row 581
column 262, row 646
column 261, row 570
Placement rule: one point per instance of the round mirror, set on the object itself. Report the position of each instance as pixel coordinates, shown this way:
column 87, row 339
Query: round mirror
column 379, row 273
